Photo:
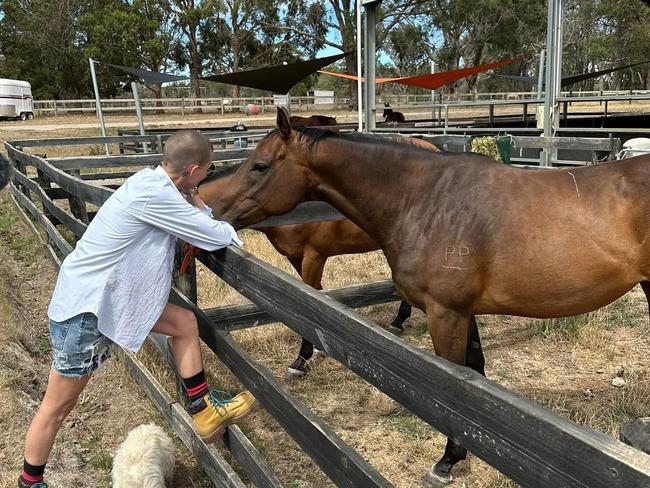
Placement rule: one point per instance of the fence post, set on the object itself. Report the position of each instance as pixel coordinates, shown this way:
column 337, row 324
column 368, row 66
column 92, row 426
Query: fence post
column 20, row 166
column 182, row 106
column 77, row 205
column 186, row 283
column 637, row 434
column 45, row 183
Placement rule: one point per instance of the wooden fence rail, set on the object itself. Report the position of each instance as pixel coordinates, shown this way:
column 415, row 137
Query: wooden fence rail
column 527, row 442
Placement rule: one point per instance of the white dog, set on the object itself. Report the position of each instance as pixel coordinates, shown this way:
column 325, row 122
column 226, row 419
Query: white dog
column 145, row 459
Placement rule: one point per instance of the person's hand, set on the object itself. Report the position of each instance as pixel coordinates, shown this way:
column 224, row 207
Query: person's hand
column 190, row 194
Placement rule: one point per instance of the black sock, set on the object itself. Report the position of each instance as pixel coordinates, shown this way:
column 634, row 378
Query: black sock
column 196, row 386
column 32, row 474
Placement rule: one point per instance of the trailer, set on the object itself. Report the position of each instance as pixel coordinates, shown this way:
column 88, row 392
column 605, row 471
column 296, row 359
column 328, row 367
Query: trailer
column 16, row 99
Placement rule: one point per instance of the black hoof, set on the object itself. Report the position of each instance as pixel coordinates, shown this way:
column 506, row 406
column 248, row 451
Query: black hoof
column 298, row 369
column 398, row 324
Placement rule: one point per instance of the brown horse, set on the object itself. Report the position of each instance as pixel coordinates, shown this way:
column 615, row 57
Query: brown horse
column 464, row 238
column 391, row 116
column 312, row 121
column 308, row 246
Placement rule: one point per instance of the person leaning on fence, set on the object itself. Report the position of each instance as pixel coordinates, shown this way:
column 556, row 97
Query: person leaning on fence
column 114, row 288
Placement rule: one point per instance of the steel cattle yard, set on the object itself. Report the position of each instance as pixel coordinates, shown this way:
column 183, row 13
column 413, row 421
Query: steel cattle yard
column 525, row 441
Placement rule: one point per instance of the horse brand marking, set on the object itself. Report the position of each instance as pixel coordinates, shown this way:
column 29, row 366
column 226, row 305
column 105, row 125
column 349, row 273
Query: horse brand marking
column 454, row 256
column 456, row 250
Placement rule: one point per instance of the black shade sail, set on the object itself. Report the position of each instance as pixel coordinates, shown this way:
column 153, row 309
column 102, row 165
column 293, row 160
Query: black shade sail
column 278, row 79
column 149, row 77
column 570, row 80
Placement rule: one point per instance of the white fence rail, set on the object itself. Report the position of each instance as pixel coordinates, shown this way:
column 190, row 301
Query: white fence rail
column 228, row 104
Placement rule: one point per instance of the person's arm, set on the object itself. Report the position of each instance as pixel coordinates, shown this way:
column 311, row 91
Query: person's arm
column 168, row 211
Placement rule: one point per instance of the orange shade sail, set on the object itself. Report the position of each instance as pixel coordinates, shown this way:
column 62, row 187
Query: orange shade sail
column 434, row 80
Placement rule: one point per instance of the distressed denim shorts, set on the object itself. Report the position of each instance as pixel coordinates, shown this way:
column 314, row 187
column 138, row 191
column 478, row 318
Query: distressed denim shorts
column 78, row 346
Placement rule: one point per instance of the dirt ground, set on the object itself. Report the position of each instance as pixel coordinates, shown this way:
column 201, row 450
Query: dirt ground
column 567, row 365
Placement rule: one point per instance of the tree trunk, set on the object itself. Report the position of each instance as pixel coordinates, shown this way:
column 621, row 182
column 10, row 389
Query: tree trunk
column 234, row 46
column 195, row 69
column 157, row 94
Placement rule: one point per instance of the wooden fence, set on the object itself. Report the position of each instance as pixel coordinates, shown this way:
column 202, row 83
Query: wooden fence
column 527, row 442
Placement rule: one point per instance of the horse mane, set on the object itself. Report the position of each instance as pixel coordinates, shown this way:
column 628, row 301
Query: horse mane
column 324, row 119
column 311, row 136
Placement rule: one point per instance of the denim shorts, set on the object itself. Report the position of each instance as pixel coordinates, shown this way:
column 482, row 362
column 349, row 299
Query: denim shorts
column 78, row 347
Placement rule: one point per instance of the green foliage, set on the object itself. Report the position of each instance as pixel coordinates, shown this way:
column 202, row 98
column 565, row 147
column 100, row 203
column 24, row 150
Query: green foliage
column 47, row 42
column 40, row 42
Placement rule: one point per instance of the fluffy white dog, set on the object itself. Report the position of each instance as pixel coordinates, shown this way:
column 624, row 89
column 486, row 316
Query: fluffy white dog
column 145, row 459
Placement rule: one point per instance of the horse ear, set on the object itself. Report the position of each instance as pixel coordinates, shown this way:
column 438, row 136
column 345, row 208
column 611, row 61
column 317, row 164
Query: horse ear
column 282, row 121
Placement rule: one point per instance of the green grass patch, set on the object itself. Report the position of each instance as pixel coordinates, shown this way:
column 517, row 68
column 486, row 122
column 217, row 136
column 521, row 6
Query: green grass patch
column 406, row 423
column 22, row 245
column 95, row 454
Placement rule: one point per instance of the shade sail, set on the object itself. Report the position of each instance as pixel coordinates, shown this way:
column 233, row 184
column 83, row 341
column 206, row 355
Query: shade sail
column 570, row 80
column 434, row 80
column 149, row 77
column 278, row 79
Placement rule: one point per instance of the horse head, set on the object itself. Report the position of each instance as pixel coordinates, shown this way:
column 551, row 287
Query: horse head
column 272, row 181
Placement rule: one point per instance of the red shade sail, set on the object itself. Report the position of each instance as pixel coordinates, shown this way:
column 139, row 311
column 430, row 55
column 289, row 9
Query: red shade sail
column 434, row 80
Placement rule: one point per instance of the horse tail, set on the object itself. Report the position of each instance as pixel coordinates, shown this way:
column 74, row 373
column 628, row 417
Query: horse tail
column 6, row 170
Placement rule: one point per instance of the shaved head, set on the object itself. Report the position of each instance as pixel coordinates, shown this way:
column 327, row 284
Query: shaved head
column 187, row 147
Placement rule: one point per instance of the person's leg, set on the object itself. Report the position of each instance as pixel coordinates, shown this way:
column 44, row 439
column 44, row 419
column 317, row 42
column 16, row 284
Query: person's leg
column 211, row 412
column 60, row 397
column 181, row 325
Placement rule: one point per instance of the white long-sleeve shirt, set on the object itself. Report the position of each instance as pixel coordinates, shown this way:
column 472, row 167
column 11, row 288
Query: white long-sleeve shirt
column 121, row 269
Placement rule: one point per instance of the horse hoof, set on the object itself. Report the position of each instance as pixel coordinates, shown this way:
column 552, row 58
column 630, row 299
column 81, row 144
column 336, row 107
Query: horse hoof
column 294, row 374
column 435, row 480
column 319, row 353
column 396, row 329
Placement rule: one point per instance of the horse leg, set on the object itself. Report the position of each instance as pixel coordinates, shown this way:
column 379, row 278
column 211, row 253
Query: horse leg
column 474, row 353
column 310, row 267
column 403, row 313
column 454, row 452
column 645, row 285
column 452, row 333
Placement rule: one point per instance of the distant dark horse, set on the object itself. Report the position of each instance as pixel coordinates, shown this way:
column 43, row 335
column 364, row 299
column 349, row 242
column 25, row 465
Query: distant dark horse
column 309, row 245
column 5, row 171
column 462, row 237
column 392, row 116
column 312, row 121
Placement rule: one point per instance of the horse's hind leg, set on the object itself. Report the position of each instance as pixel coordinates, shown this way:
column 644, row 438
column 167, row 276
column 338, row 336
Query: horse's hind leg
column 403, row 313
column 310, row 267
column 645, row 285
column 440, row 473
column 474, row 352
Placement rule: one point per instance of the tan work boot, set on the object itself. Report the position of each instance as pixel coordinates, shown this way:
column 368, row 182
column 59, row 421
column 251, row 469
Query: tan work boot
column 216, row 411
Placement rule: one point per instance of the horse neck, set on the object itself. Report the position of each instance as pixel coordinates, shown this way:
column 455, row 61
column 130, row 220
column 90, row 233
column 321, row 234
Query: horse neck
column 369, row 183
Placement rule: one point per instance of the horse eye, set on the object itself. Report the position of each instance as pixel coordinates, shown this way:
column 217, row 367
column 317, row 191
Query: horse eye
column 261, row 167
